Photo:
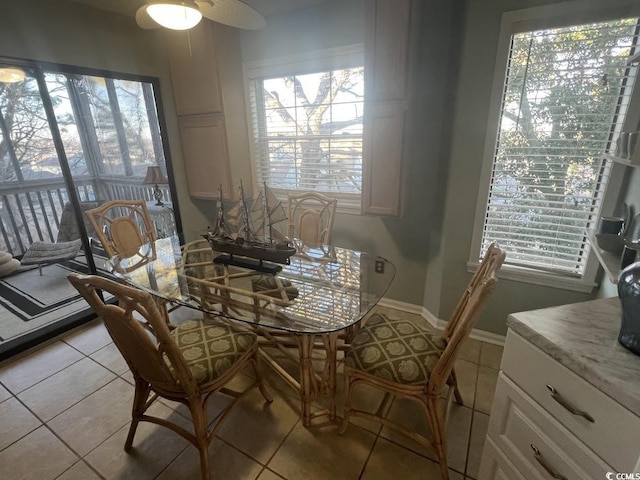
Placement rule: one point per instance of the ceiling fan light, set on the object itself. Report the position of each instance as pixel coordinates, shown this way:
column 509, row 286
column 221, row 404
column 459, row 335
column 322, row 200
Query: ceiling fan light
column 11, row 75
column 175, row 16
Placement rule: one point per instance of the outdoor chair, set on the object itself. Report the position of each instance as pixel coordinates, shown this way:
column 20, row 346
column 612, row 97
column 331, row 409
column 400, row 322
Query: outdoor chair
column 311, row 217
column 67, row 243
column 407, row 360
column 69, row 229
column 187, row 365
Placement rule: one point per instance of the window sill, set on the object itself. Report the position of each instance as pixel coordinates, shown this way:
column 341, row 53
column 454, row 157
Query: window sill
column 525, row 275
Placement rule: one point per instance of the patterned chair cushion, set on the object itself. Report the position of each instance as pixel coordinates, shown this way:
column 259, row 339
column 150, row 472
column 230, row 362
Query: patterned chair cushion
column 211, row 347
column 395, row 349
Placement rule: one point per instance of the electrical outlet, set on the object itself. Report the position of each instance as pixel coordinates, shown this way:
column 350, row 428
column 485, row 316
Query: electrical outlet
column 379, row 266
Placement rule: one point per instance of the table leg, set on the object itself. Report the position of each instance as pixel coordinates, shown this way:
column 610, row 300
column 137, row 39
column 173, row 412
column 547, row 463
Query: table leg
column 307, row 379
column 330, row 341
column 310, row 388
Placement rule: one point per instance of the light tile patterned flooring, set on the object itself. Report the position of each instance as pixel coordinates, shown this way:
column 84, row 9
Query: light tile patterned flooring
column 65, row 412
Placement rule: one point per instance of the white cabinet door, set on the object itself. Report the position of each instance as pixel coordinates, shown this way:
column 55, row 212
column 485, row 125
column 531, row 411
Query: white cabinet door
column 495, row 465
column 558, row 390
column 536, row 443
column 194, row 70
column 383, row 127
column 204, row 146
column 387, row 34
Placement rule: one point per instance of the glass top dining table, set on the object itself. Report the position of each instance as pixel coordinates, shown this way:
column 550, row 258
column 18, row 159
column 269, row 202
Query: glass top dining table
column 323, row 289
column 315, row 302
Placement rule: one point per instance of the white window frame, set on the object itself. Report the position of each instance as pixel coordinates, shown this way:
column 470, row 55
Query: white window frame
column 349, row 56
column 537, row 18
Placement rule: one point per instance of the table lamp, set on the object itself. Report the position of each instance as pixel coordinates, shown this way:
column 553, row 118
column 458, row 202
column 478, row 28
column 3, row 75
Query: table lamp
column 155, row 177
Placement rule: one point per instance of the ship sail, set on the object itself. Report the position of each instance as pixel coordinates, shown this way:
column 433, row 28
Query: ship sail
column 267, row 211
column 229, row 219
column 258, row 217
column 274, row 207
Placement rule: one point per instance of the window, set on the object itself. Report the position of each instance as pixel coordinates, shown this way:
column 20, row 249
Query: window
column 104, row 131
column 111, row 121
column 307, row 120
column 563, row 102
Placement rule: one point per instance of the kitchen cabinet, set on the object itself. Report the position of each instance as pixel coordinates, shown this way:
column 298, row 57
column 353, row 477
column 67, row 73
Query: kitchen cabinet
column 567, row 401
column 204, row 146
column 387, row 36
column 206, row 73
column 194, row 70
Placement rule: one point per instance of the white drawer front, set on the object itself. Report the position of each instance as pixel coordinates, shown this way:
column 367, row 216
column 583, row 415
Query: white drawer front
column 531, row 439
column 495, row 465
column 615, row 433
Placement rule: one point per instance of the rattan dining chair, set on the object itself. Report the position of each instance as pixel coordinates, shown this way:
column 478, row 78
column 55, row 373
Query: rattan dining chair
column 311, row 217
column 187, row 365
column 407, row 360
column 123, row 226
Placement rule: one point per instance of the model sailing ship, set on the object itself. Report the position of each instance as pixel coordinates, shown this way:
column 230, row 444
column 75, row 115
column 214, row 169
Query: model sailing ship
column 251, row 233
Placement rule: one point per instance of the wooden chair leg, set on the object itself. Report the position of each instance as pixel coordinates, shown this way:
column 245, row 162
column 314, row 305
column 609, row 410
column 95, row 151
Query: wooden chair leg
column 347, row 402
column 143, row 389
column 437, row 425
column 454, row 384
column 456, row 393
column 199, row 417
column 444, row 470
column 256, row 371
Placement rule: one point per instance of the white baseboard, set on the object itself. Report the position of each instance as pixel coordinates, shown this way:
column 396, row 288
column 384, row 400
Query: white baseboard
column 435, row 322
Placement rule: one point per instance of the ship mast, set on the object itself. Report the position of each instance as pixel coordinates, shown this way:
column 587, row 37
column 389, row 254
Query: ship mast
column 221, row 227
column 248, row 234
column 267, row 216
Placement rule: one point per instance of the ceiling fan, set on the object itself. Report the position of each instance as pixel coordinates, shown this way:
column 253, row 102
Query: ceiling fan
column 186, row 14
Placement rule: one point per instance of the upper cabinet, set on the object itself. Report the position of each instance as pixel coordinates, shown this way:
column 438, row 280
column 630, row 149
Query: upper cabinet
column 382, row 158
column 194, row 70
column 386, row 49
column 387, row 34
column 205, row 152
column 206, row 72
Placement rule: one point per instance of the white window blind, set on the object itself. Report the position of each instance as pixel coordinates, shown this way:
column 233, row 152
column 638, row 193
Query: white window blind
column 564, row 100
column 308, row 130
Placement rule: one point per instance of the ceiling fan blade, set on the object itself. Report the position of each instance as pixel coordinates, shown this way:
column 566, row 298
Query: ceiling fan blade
column 231, row 12
column 144, row 20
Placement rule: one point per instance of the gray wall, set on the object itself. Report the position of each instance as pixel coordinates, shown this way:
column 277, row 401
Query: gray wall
column 332, row 24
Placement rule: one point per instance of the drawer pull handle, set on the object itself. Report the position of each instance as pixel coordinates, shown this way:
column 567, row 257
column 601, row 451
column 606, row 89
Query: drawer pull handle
column 538, row 456
column 558, row 398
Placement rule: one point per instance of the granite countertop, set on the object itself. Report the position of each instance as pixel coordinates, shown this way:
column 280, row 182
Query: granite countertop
column 584, row 338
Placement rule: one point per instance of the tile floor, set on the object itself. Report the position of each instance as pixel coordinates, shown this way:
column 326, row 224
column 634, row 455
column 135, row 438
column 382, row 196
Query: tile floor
column 65, row 412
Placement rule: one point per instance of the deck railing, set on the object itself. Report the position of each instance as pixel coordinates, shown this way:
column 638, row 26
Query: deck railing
column 31, row 210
